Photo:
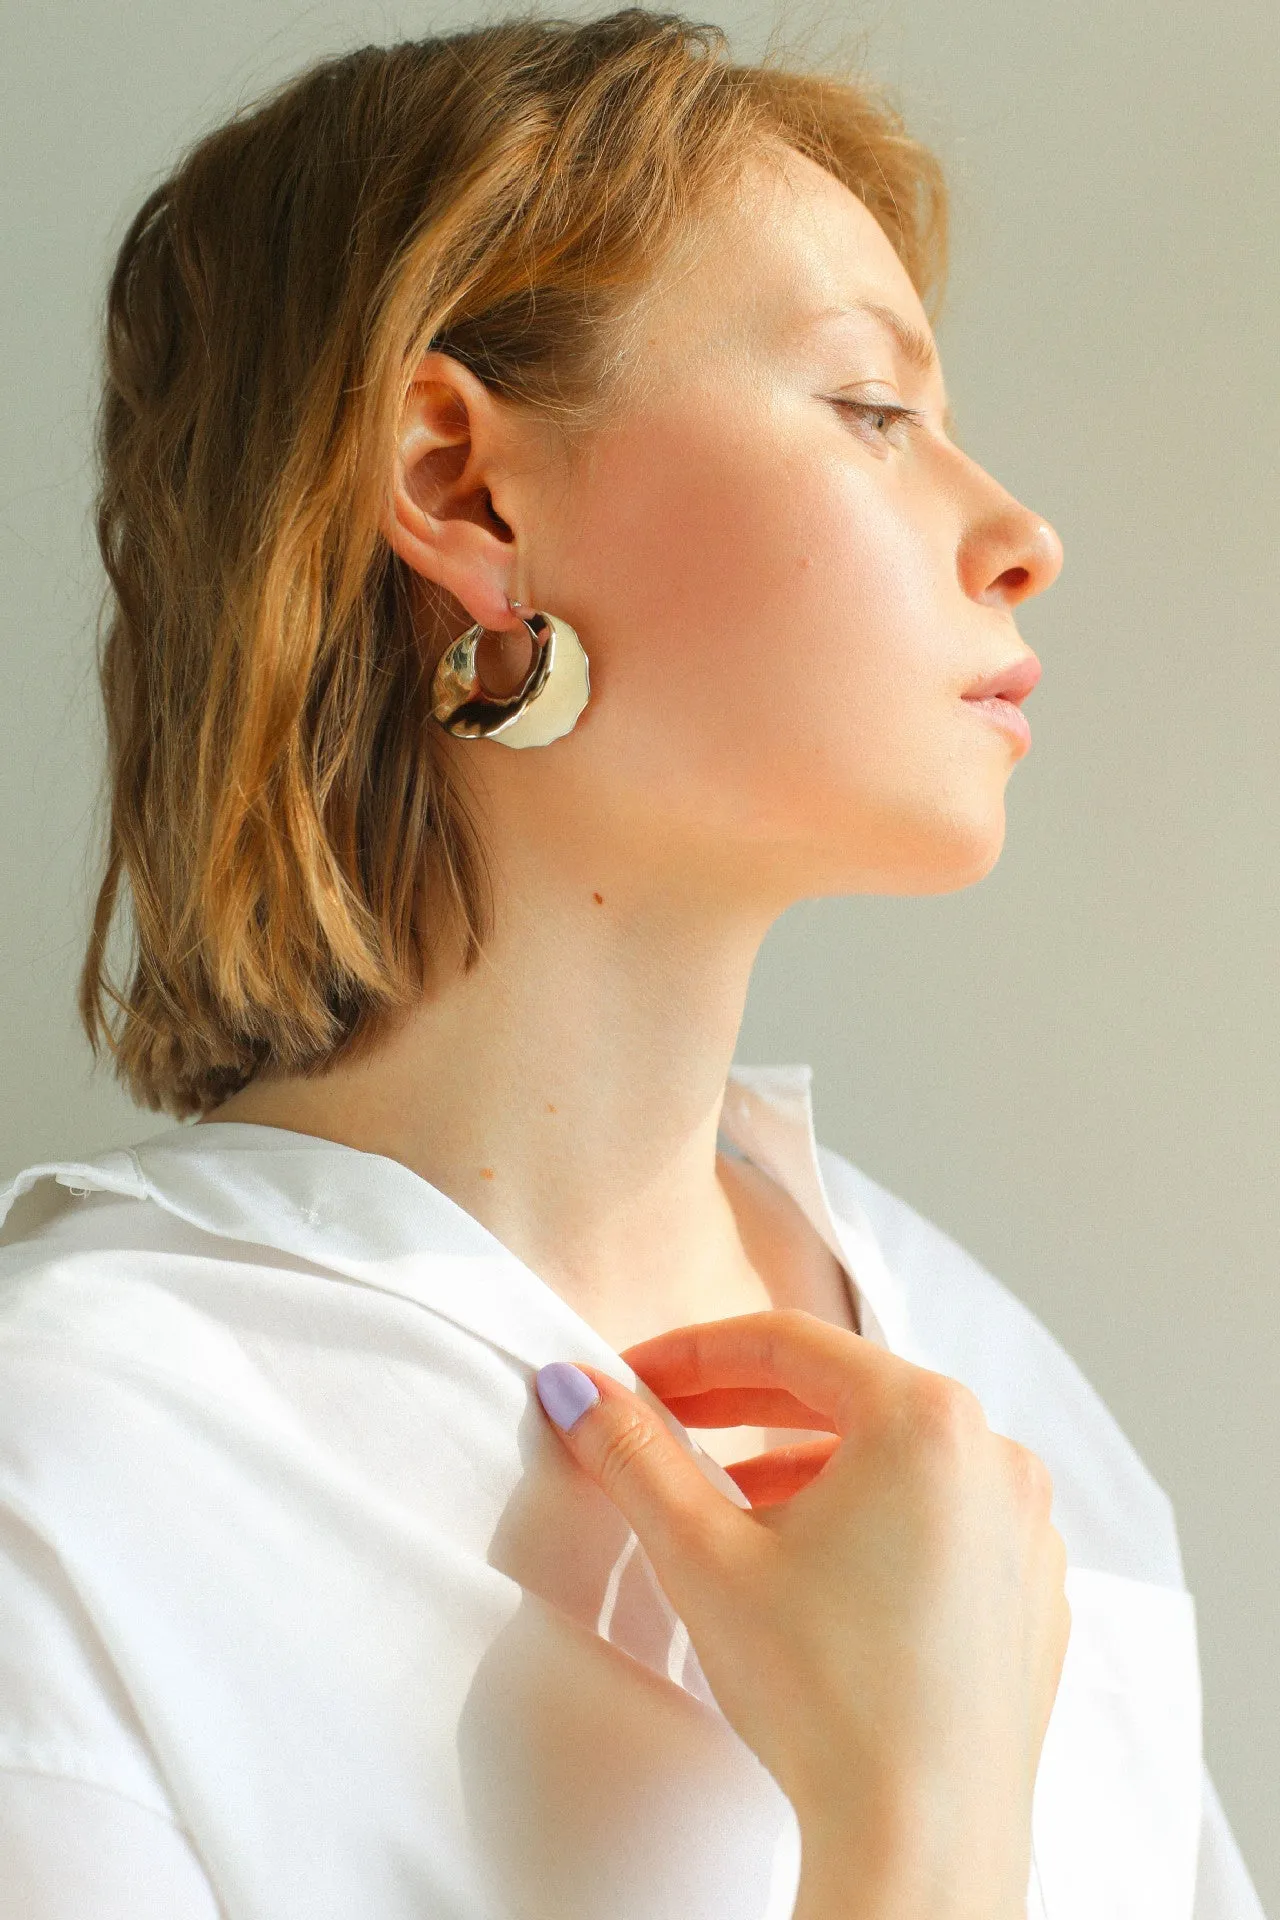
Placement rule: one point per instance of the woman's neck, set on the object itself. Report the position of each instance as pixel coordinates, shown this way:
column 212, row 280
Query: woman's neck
column 566, row 1093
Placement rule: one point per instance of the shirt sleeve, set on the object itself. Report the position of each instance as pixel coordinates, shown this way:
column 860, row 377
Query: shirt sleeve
column 63, row 1710
column 1224, row 1890
column 86, row 1825
column 68, row 1850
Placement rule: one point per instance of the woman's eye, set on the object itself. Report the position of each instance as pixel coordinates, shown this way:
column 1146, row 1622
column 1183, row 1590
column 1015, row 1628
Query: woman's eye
column 881, row 417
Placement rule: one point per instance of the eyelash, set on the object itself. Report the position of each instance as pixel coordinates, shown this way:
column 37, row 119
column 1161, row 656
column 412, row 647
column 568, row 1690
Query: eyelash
column 910, row 415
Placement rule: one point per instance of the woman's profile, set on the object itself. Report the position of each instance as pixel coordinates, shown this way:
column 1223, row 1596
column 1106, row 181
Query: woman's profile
column 538, row 556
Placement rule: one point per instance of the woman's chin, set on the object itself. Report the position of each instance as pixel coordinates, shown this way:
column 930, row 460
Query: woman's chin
column 950, row 860
column 966, row 863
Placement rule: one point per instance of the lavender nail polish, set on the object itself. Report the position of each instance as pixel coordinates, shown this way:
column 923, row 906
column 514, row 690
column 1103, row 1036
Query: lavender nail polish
column 565, row 1392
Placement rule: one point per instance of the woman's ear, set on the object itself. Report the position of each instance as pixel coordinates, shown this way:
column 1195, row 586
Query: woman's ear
column 440, row 517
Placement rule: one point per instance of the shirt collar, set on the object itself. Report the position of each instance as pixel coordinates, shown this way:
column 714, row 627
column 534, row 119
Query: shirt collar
column 268, row 1186
column 768, row 1115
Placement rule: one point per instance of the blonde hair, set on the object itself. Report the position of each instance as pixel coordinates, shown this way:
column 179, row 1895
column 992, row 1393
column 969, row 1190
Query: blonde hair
column 279, row 802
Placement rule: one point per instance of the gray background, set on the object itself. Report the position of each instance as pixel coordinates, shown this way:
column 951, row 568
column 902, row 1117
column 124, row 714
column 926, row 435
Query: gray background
column 1071, row 1067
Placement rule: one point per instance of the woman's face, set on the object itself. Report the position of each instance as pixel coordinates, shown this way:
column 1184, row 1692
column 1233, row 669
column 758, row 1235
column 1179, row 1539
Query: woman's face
column 783, row 598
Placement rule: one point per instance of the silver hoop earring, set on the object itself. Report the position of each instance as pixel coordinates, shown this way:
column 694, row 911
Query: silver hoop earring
column 555, row 689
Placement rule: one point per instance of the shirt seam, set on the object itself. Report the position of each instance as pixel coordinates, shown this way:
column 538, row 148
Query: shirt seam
column 52, row 1770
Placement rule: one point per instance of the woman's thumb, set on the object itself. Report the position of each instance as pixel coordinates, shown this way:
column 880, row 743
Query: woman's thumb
column 658, row 1488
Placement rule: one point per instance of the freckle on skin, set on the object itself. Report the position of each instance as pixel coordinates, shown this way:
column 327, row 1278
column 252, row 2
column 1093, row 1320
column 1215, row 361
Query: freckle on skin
column 486, row 1173
column 598, row 898
column 550, row 1108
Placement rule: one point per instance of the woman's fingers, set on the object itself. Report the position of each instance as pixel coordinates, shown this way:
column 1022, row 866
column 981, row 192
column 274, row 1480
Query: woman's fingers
column 809, row 1366
column 743, row 1407
column 767, row 1479
column 681, row 1519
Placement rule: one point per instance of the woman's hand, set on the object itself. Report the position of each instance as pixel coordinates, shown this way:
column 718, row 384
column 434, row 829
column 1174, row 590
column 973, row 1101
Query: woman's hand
column 886, row 1628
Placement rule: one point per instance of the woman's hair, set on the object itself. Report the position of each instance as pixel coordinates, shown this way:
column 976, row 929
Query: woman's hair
column 280, row 804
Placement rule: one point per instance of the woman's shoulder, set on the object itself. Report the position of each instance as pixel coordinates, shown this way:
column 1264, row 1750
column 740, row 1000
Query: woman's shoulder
column 1109, row 1507
column 107, row 1298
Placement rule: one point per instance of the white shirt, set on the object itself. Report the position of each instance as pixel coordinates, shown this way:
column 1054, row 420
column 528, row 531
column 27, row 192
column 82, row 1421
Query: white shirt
column 306, row 1614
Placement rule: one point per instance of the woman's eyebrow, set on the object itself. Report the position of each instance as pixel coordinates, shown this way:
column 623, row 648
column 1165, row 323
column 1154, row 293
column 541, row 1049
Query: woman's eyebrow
column 915, row 346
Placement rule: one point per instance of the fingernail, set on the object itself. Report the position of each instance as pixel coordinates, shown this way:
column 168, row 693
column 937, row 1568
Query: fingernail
column 565, row 1392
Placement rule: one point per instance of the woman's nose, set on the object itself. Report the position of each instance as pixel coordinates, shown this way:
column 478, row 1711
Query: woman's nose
column 1028, row 562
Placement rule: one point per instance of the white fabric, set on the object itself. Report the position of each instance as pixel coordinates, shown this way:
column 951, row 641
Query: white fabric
column 305, row 1613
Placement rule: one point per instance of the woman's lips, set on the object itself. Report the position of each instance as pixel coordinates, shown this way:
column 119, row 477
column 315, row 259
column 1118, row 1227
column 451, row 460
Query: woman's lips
column 1013, row 682
column 1006, row 714
column 998, row 695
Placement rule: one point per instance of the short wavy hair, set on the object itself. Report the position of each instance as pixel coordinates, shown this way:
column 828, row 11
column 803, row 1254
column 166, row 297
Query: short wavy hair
column 280, row 806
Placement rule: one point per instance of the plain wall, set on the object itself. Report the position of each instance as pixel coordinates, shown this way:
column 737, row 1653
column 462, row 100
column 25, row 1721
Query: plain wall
column 1072, row 1066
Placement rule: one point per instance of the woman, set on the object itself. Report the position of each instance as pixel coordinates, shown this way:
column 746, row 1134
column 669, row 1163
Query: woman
column 539, row 557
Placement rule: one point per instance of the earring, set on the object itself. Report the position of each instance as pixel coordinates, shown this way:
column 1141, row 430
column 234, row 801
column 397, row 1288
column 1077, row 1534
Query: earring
column 545, row 707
